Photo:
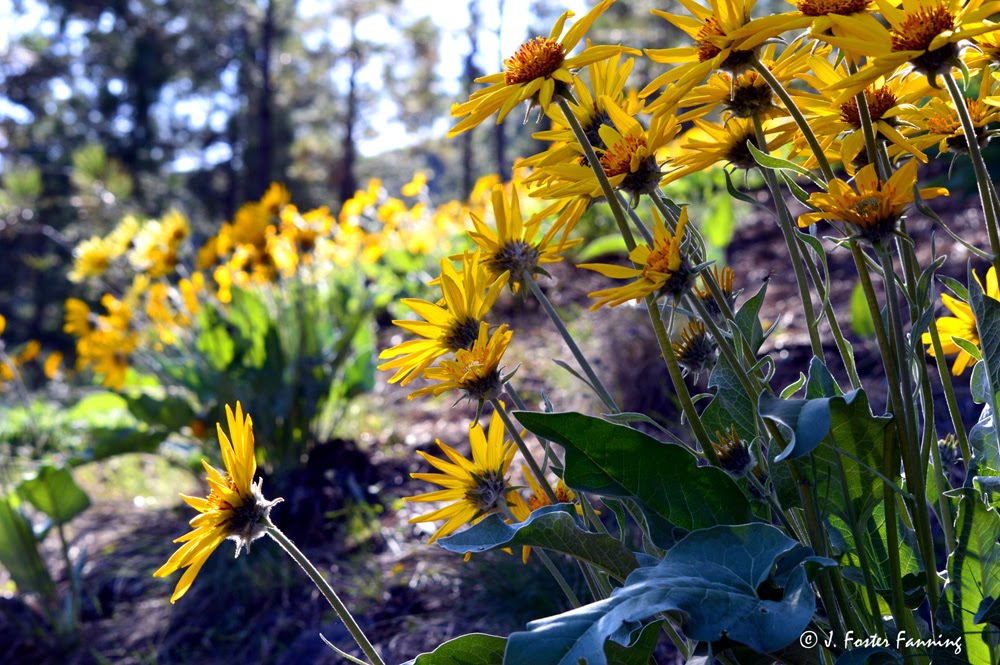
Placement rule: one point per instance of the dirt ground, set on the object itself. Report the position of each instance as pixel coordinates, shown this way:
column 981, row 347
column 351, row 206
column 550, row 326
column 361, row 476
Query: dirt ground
column 411, row 596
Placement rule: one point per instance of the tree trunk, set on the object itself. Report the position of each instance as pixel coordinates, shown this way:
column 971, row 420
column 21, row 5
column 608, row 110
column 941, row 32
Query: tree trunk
column 348, row 184
column 499, row 135
column 469, row 75
column 265, row 151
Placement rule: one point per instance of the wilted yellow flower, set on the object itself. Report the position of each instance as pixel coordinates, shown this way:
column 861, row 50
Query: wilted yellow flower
column 539, row 71
column 477, row 487
column 661, row 269
column 234, row 507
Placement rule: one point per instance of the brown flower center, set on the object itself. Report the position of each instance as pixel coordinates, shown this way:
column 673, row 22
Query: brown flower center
column 216, row 501
column 921, row 27
column 841, row 7
column 537, row 58
column 880, row 100
column 706, row 49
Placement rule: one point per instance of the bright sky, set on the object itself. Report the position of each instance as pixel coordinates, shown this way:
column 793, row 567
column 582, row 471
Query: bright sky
column 451, row 17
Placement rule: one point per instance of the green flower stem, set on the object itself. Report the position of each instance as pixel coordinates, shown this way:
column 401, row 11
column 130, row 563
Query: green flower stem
column 636, row 220
column 581, row 359
column 785, row 224
column 74, row 582
column 846, row 354
column 800, row 120
column 677, row 378
column 978, row 165
column 602, row 178
column 521, row 406
column 324, row 587
column 909, row 448
column 550, row 566
column 751, row 387
column 949, row 394
column 515, row 434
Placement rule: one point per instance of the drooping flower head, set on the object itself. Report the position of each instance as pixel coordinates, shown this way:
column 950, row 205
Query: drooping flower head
column 695, row 349
column 733, row 453
column 962, row 325
column 874, row 208
column 234, row 507
column 662, row 269
column 540, row 70
column 724, row 278
column 474, row 487
column 447, row 327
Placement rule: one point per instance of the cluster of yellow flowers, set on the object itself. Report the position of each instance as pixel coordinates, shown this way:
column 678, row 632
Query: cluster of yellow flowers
column 11, row 365
column 740, row 90
column 267, row 241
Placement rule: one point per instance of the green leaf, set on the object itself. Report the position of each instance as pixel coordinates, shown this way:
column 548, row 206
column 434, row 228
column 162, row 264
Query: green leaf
column 973, row 575
column 54, row 492
column 720, row 225
column 604, row 458
column 713, row 580
column 955, row 287
column 638, row 653
column 612, row 243
column 474, row 649
column 987, row 312
column 988, row 612
column 776, row 163
column 166, row 410
column 862, row 322
column 748, row 319
column 978, row 383
column 111, row 442
column 968, row 347
column 214, row 340
column 984, row 442
column 552, row 528
column 19, row 551
column 820, row 382
column 809, row 420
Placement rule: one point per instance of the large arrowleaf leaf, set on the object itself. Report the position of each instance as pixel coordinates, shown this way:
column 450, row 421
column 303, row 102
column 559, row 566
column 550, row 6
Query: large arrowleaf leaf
column 714, row 579
column 665, row 478
column 973, row 575
column 552, row 528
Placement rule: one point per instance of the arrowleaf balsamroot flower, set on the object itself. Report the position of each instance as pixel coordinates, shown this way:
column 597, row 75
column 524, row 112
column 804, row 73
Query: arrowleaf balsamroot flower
column 926, row 36
column 477, row 487
column 661, row 269
column 234, row 507
column 512, row 248
column 539, row 71
column 874, row 208
column 962, row 325
column 475, row 372
column 468, row 297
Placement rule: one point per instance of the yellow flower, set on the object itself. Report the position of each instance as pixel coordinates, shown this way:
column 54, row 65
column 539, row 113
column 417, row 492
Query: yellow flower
column 962, row 325
column 539, row 499
column 937, row 124
column 474, row 372
column 839, row 122
column 91, row 258
column 416, row 185
column 157, row 244
column 661, row 269
column 234, row 507
column 724, row 278
column 628, row 158
column 512, row 248
column 734, row 455
column 477, row 487
column 53, row 365
column 539, row 71
column 468, row 297
column 875, row 208
column 708, row 144
column 811, row 13
column 925, row 36
column 77, row 317
column 712, row 28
